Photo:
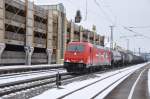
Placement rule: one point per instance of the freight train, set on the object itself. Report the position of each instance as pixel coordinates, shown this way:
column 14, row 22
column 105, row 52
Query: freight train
column 84, row 56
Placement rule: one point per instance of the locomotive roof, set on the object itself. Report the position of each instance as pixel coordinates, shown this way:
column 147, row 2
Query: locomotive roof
column 102, row 47
column 97, row 46
column 77, row 42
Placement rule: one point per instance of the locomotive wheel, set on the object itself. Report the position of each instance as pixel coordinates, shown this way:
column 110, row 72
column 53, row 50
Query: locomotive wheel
column 68, row 70
column 90, row 70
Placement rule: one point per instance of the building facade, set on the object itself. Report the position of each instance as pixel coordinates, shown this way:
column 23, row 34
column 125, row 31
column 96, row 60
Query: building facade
column 37, row 34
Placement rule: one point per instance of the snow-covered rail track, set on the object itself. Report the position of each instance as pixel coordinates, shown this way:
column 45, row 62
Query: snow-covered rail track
column 13, row 87
column 134, row 87
column 7, row 89
column 99, row 90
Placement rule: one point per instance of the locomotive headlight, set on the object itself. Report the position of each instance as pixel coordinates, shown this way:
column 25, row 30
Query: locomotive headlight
column 67, row 60
column 81, row 61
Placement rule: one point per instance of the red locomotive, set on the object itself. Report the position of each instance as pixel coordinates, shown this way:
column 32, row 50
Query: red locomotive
column 80, row 56
column 83, row 56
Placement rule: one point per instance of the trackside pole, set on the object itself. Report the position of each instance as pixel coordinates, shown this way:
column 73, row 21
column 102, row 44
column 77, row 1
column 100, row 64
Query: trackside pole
column 58, row 80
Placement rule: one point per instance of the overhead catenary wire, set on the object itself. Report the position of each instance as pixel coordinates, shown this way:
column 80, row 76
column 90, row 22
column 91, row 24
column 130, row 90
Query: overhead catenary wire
column 91, row 11
column 126, row 36
column 110, row 20
column 110, row 10
column 143, row 27
column 106, row 15
column 136, row 32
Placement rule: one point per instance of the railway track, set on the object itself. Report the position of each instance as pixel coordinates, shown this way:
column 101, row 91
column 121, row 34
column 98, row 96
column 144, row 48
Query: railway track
column 34, row 86
column 134, row 87
column 8, row 89
column 93, row 84
column 13, row 87
column 115, row 80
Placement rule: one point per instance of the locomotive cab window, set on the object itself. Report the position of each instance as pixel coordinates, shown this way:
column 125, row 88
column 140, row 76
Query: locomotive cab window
column 78, row 48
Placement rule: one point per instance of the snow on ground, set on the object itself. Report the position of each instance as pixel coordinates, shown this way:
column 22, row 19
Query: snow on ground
column 27, row 76
column 149, row 81
column 106, row 92
column 88, row 92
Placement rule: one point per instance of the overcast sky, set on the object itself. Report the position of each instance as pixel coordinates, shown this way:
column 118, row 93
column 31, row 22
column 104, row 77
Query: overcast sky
column 113, row 12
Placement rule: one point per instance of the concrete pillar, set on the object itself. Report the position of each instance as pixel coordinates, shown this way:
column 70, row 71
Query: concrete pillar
column 29, row 51
column 2, row 27
column 2, row 21
column 49, row 55
column 72, row 32
column 81, row 33
column 59, row 38
column 2, row 47
column 49, row 49
column 65, row 34
column 29, row 31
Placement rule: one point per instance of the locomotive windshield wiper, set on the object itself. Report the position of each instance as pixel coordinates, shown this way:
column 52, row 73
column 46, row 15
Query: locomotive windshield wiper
column 76, row 48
